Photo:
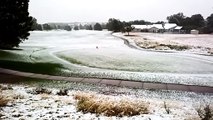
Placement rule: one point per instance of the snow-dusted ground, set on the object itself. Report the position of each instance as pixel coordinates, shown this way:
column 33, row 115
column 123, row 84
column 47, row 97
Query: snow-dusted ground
column 99, row 54
column 199, row 44
column 25, row 105
column 203, row 40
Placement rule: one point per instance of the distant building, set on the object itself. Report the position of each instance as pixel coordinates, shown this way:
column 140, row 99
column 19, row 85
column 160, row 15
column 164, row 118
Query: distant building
column 178, row 30
column 141, row 28
column 158, row 28
column 194, row 32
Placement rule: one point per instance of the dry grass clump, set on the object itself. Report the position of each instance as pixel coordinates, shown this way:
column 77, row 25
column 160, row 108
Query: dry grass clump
column 192, row 118
column 3, row 100
column 99, row 104
column 40, row 90
column 18, row 96
column 160, row 46
column 205, row 112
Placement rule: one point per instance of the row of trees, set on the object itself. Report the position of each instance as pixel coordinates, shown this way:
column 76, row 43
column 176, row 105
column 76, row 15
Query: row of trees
column 194, row 22
column 188, row 23
column 97, row 27
column 116, row 25
column 67, row 27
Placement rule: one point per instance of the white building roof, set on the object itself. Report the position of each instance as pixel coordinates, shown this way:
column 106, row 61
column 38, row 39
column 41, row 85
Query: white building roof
column 169, row 25
column 158, row 26
column 141, row 26
column 178, row 27
column 194, row 30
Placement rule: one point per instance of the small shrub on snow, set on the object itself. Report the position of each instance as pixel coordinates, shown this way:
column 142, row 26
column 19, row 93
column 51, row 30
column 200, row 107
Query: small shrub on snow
column 63, row 92
column 40, row 90
column 91, row 103
column 205, row 113
column 18, row 96
column 167, row 109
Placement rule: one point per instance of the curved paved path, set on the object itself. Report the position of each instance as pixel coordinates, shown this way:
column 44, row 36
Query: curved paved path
column 132, row 84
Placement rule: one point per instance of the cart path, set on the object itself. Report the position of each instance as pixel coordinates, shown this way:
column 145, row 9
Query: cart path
column 122, row 83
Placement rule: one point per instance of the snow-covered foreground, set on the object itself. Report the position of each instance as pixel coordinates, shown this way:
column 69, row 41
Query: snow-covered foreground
column 25, row 105
column 99, row 54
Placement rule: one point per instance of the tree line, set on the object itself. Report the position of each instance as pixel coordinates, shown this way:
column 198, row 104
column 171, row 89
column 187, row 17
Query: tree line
column 55, row 26
column 196, row 21
column 205, row 26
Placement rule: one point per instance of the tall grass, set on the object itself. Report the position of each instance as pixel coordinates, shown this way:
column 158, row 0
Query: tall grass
column 91, row 103
column 3, row 100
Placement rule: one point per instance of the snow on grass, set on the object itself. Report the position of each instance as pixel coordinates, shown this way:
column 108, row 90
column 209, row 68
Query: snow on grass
column 200, row 44
column 52, row 106
column 113, row 59
column 132, row 60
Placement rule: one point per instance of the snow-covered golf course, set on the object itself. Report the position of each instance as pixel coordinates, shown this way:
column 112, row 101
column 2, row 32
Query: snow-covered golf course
column 99, row 54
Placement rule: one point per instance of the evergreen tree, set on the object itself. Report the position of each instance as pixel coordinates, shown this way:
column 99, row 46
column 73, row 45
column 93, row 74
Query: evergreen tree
column 76, row 28
column 210, row 23
column 35, row 25
column 15, row 22
column 88, row 27
column 97, row 26
column 197, row 21
column 67, row 28
column 81, row 27
column 176, row 18
column 47, row 27
column 114, row 25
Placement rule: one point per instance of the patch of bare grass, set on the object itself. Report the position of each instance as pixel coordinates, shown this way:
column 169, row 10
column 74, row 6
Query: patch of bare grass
column 100, row 104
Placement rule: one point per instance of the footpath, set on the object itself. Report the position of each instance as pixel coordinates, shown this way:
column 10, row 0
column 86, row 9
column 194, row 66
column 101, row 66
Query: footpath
column 12, row 74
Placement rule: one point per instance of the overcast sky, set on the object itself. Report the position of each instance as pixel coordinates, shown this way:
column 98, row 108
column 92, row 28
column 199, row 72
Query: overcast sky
column 101, row 10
